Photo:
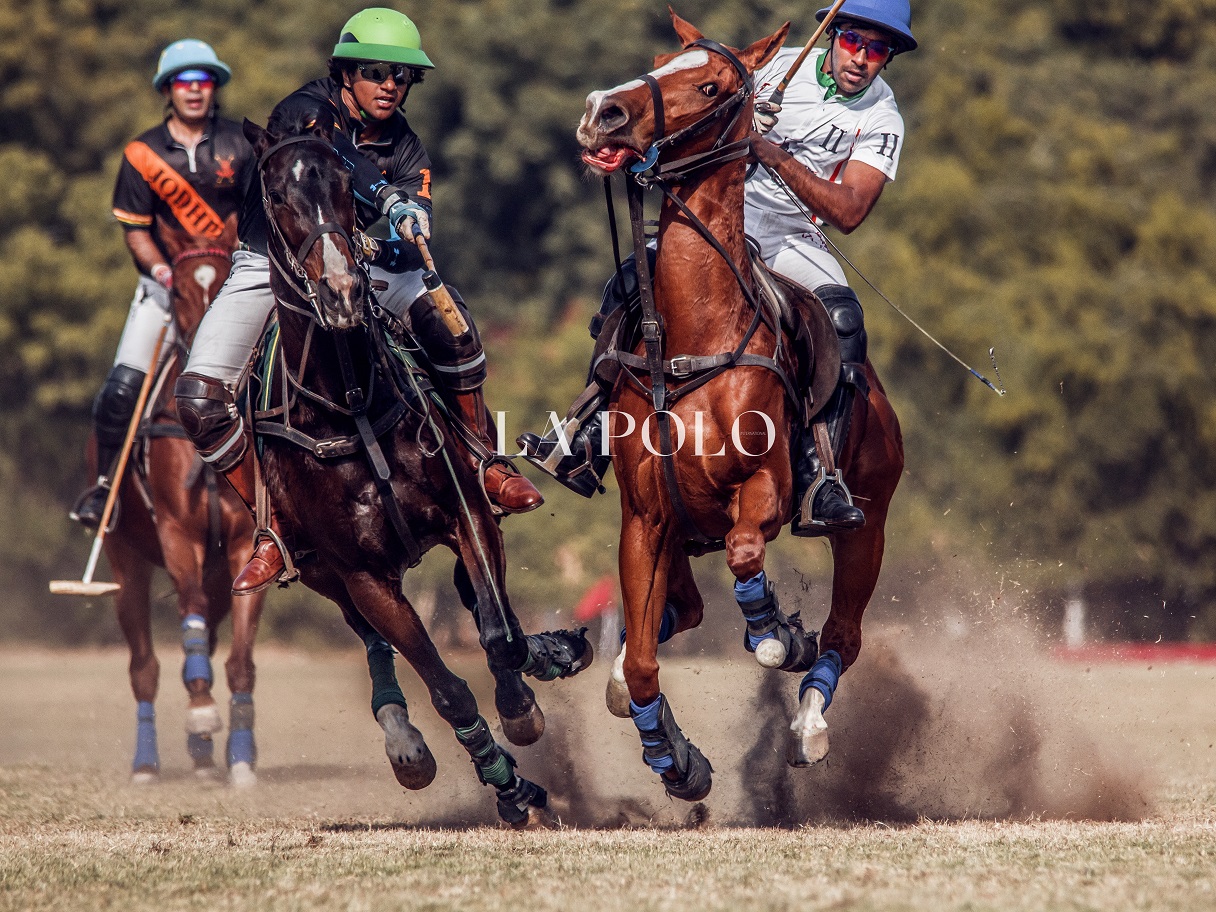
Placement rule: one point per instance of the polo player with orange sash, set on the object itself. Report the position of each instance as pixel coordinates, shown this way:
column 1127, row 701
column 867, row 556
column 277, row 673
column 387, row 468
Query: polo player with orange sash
column 189, row 170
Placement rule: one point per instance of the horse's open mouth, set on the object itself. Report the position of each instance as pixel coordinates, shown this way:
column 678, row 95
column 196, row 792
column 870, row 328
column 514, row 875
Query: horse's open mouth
column 608, row 158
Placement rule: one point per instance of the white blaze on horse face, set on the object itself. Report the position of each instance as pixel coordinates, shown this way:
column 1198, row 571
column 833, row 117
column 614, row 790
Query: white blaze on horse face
column 687, row 61
column 298, row 170
column 204, row 275
column 335, row 263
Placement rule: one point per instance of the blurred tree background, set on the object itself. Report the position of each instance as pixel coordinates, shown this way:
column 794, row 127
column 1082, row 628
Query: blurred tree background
column 1055, row 201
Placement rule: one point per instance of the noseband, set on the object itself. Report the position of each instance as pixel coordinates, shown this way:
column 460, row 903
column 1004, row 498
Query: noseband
column 308, row 290
column 721, row 151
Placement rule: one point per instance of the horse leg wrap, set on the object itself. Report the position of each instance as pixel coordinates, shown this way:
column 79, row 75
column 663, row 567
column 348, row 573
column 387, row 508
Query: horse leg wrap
column 556, row 654
column 667, row 626
column 147, row 756
column 196, row 643
column 666, row 751
column 380, row 666
column 789, row 647
column 241, row 746
column 494, row 765
column 823, row 676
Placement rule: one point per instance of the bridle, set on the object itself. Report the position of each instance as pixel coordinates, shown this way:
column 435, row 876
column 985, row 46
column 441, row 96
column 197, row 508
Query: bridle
column 298, row 279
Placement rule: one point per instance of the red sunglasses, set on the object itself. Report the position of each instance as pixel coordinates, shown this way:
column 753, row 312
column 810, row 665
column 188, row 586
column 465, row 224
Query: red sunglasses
column 852, row 42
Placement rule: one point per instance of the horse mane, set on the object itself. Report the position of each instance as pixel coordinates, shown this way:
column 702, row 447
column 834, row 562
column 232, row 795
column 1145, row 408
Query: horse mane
column 299, row 114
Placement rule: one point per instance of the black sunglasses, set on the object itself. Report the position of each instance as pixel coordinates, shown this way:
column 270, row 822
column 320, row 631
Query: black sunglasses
column 379, row 72
column 852, row 42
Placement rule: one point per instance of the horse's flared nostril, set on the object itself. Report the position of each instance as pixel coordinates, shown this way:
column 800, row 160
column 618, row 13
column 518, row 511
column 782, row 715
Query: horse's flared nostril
column 612, row 117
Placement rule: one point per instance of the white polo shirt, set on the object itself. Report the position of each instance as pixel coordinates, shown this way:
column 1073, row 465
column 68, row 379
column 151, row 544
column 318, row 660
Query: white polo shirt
column 823, row 134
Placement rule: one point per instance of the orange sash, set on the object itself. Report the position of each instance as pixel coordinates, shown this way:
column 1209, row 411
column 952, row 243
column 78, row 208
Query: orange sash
column 190, row 209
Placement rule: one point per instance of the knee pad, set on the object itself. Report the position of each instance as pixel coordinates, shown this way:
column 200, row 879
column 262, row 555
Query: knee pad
column 209, row 416
column 845, row 310
column 115, row 404
column 615, row 298
column 460, row 360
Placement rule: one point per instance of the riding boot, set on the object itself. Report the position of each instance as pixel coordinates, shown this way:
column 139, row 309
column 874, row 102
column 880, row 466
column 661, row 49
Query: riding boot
column 822, row 503
column 113, row 409
column 582, row 466
column 266, row 564
column 507, row 489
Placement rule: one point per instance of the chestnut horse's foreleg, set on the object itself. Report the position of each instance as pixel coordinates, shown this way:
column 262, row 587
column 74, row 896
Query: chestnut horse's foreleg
column 241, row 750
column 684, row 610
column 520, row 802
column 131, row 603
column 777, row 641
column 647, row 555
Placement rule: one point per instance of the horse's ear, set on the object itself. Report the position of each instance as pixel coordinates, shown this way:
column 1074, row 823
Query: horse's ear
column 686, row 30
column 764, row 50
column 258, row 138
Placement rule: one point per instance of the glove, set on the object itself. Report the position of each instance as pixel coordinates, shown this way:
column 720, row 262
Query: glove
column 765, row 117
column 162, row 274
column 409, row 218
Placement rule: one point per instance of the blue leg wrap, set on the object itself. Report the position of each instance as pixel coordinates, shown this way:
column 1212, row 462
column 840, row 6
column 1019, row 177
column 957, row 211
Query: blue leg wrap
column 383, row 671
column 755, row 590
column 667, row 626
column 241, row 746
column 201, row 749
column 147, row 756
column 197, row 646
column 823, row 676
column 646, row 718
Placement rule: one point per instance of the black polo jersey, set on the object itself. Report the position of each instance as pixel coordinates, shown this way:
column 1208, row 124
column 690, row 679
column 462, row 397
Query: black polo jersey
column 198, row 191
column 398, row 155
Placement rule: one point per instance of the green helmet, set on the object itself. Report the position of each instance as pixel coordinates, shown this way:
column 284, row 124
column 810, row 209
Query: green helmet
column 382, row 35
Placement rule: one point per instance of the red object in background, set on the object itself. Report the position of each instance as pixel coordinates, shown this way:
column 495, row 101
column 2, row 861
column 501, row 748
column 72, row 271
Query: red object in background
column 599, row 599
column 1138, row 652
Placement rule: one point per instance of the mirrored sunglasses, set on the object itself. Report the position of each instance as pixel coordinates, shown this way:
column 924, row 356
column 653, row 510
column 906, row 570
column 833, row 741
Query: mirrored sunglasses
column 379, row 72
column 202, row 77
column 852, row 42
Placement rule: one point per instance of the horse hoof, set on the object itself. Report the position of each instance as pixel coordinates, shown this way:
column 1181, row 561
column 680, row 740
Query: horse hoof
column 616, row 696
column 771, row 653
column 696, row 783
column 203, row 720
column 207, row 773
column 242, row 776
column 808, row 738
column 536, row 819
column 145, row 777
column 412, row 761
column 525, row 730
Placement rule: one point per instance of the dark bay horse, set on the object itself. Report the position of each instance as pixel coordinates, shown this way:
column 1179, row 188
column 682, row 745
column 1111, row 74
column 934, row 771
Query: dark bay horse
column 687, row 126
column 173, row 514
column 363, row 481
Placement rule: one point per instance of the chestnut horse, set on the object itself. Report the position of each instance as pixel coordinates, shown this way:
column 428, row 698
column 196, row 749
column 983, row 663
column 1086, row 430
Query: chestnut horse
column 357, row 459
column 687, row 126
column 175, row 514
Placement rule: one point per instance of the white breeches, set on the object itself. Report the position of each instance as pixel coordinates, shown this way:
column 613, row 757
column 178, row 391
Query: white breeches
column 144, row 320
column 794, row 247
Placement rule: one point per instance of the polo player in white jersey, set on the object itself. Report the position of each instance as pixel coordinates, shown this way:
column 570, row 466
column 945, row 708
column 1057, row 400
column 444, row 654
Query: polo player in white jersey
column 825, row 155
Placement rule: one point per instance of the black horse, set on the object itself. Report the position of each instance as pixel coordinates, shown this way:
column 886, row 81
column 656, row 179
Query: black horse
column 355, row 451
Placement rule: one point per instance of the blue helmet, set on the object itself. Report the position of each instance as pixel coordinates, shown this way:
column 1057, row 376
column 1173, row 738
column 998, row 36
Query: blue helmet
column 894, row 16
column 189, row 54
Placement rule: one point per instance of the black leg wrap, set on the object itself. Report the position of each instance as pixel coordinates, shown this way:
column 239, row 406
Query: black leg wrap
column 496, row 767
column 690, row 775
column 557, row 654
column 764, row 616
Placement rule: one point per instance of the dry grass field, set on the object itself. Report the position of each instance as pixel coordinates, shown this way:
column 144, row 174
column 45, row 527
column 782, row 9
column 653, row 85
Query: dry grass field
column 972, row 774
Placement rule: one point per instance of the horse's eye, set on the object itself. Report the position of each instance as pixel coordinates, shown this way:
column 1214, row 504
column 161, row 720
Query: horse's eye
column 709, row 90
column 277, row 198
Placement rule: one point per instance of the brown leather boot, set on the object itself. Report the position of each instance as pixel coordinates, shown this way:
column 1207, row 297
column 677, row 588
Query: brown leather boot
column 506, row 488
column 266, row 564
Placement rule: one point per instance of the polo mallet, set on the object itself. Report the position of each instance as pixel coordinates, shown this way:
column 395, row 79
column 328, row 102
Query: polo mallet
column 85, row 585
column 778, row 95
column 452, row 317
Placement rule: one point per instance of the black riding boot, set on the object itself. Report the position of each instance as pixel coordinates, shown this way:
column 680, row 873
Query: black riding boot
column 583, row 470
column 112, row 412
column 822, row 503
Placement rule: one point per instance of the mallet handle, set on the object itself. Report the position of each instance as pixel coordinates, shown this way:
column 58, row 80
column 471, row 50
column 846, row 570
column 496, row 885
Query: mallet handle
column 779, row 93
column 453, row 319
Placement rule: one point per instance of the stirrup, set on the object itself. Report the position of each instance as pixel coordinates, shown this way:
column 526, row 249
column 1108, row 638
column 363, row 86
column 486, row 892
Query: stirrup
column 92, row 520
column 806, row 524
column 290, row 573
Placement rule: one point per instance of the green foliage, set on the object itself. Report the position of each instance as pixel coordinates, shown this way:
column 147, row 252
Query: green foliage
column 1054, row 201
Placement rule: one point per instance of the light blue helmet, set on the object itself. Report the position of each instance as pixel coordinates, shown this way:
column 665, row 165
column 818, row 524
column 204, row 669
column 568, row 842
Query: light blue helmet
column 189, row 54
column 894, row 16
